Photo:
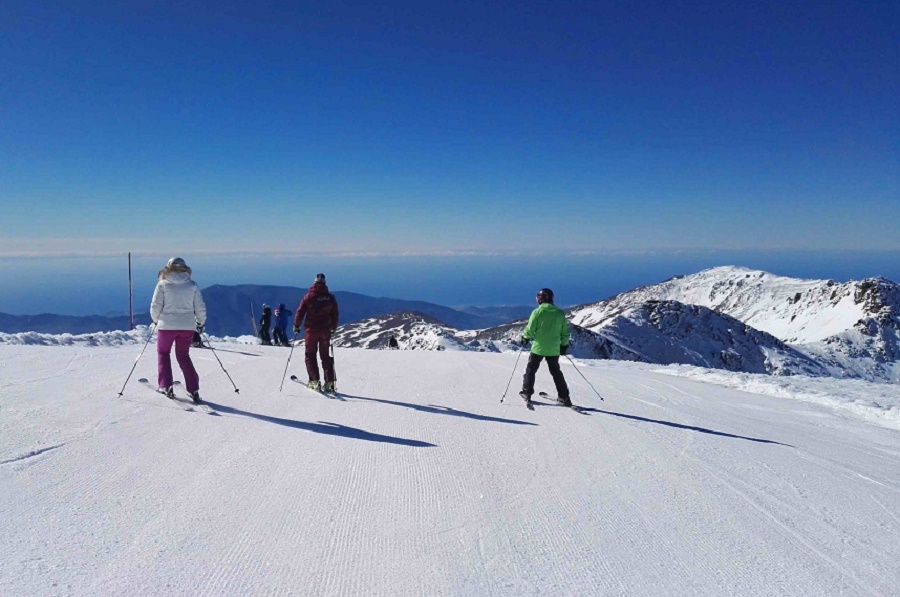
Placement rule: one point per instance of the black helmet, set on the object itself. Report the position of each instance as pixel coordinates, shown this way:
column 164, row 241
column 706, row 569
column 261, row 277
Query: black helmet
column 545, row 295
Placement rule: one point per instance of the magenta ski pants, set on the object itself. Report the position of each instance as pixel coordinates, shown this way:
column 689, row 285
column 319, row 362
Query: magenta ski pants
column 182, row 340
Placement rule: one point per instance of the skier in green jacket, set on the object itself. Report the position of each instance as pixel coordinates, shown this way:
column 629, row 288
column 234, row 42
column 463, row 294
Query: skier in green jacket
column 548, row 332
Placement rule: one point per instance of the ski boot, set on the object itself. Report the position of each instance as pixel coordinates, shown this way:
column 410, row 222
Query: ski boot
column 527, row 399
column 313, row 384
column 564, row 401
column 329, row 387
column 169, row 392
column 195, row 396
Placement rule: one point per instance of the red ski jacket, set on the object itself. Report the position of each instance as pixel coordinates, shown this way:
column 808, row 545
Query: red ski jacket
column 320, row 309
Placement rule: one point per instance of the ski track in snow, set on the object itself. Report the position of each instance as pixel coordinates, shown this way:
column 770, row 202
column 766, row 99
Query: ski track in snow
column 420, row 482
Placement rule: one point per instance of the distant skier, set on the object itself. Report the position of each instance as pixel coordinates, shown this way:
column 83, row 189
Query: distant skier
column 178, row 311
column 392, row 343
column 280, row 329
column 265, row 322
column 549, row 332
column 320, row 309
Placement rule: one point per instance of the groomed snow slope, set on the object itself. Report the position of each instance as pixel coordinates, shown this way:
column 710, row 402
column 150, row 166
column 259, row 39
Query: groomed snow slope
column 422, row 483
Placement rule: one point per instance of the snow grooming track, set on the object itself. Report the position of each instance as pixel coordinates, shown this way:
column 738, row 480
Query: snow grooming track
column 799, row 527
column 423, row 484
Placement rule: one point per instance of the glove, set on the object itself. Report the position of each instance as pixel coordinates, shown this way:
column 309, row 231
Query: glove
column 296, row 329
column 333, row 330
column 199, row 328
column 564, row 349
column 524, row 341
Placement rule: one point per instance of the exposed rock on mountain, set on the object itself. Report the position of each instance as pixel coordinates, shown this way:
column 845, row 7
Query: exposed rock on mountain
column 413, row 331
column 850, row 328
column 668, row 332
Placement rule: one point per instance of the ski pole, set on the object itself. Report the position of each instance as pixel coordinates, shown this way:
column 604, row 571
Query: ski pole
column 150, row 335
column 236, row 390
column 286, row 365
column 518, row 355
column 584, row 378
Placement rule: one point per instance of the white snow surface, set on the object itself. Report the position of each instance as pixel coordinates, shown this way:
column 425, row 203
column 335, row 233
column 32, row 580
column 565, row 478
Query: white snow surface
column 421, row 482
column 876, row 402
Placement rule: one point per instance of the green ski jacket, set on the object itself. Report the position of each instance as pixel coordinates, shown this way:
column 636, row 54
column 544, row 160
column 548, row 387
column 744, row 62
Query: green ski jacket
column 547, row 329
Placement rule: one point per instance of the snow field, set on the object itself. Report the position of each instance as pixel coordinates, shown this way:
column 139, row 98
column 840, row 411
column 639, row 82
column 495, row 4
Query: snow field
column 422, row 483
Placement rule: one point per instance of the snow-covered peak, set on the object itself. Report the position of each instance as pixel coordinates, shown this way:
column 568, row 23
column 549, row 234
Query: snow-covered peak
column 412, row 330
column 670, row 332
column 792, row 309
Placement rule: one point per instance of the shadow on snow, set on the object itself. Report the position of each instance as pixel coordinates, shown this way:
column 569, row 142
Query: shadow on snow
column 442, row 410
column 324, row 427
column 676, row 425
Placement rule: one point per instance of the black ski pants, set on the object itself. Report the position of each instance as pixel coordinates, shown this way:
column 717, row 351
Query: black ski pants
column 534, row 361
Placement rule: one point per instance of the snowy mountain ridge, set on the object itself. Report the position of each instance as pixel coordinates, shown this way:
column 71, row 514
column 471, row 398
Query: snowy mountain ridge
column 795, row 310
column 728, row 318
column 850, row 329
column 669, row 332
column 412, row 330
column 661, row 332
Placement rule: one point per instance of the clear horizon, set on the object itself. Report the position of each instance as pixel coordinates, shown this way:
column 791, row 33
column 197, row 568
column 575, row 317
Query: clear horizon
column 99, row 286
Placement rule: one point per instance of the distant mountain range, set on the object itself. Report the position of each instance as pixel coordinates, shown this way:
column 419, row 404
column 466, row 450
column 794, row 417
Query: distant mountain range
column 229, row 309
column 48, row 323
column 723, row 318
column 730, row 318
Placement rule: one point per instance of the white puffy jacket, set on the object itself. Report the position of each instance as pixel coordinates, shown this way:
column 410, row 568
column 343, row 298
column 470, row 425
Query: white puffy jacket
column 177, row 303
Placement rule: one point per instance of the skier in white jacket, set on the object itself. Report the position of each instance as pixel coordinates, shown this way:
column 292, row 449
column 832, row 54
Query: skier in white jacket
column 178, row 310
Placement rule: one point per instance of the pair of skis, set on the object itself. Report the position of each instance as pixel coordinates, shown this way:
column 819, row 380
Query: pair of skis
column 319, row 390
column 530, row 406
column 185, row 404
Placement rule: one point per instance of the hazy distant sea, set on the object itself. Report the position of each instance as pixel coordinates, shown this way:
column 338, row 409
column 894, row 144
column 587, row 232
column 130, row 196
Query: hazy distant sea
column 83, row 286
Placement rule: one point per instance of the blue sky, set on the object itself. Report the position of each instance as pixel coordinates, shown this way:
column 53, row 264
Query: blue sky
column 180, row 127
column 457, row 152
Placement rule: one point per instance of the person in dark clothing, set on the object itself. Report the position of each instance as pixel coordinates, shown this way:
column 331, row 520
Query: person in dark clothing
column 548, row 331
column 392, row 343
column 265, row 322
column 281, row 320
column 320, row 310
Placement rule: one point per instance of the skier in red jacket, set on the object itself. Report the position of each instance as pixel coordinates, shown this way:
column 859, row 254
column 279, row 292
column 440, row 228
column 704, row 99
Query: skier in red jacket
column 320, row 309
